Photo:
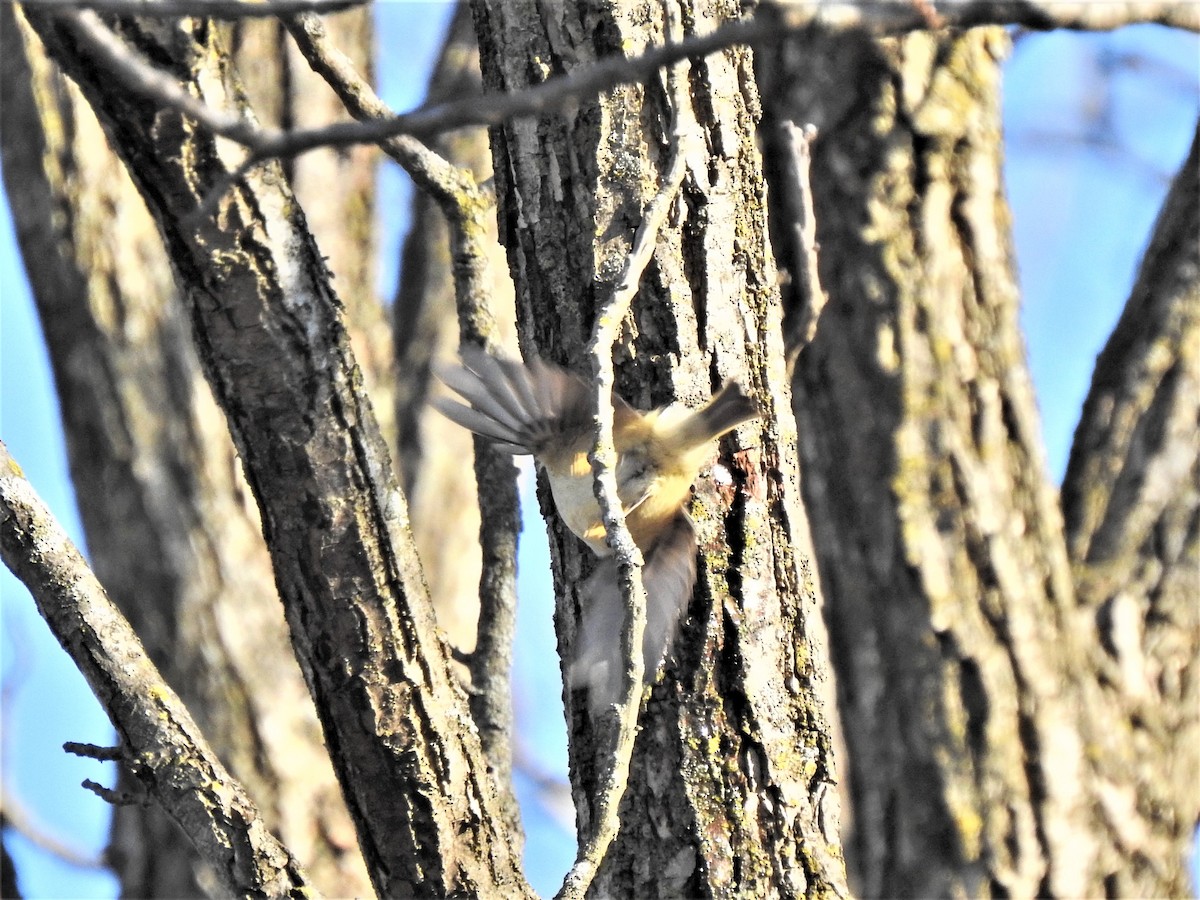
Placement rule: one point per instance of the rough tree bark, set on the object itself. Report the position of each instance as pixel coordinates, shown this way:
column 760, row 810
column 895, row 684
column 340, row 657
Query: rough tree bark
column 171, row 527
column 731, row 787
column 257, row 290
column 444, row 505
column 1019, row 696
column 335, row 187
column 1131, row 501
column 965, row 656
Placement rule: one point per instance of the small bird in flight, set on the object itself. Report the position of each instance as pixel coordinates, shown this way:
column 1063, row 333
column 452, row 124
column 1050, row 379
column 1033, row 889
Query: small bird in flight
column 540, row 409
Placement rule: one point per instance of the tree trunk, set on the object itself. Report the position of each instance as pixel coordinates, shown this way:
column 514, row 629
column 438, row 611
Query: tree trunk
column 275, row 346
column 171, row 527
column 964, row 665
column 335, row 186
column 751, row 812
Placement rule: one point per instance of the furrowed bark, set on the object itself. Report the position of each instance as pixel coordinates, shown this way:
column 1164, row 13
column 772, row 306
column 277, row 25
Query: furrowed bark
column 273, row 342
column 749, row 812
column 965, row 670
column 171, row 529
column 335, row 187
column 1131, row 500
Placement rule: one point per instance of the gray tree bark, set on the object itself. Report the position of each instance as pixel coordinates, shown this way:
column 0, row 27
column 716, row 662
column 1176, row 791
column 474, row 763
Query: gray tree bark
column 731, row 786
column 983, row 758
column 172, row 529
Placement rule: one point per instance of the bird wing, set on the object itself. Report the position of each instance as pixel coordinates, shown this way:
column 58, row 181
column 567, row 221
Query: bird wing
column 668, row 575
column 523, row 407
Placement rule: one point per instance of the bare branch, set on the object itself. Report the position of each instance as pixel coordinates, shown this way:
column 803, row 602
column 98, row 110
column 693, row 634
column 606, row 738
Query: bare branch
column 879, row 16
column 1135, row 447
column 169, row 755
column 464, row 205
column 802, row 324
column 610, row 315
column 93, row 751
column 210, row 9
column 451, row 187
column 20, row 818
column 771, row 22
column 1079, row 15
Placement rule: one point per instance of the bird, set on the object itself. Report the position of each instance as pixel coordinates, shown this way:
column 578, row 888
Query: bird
column 539, row 409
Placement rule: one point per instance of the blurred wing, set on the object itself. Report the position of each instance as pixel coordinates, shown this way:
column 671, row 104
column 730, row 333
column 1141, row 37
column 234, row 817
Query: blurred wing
column 668, row 576
column 524, row 408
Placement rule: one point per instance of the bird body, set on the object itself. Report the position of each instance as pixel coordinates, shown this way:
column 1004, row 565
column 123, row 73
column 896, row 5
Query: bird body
column 539, row 409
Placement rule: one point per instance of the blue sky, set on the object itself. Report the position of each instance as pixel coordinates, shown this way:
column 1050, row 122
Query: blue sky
column 1096, row 127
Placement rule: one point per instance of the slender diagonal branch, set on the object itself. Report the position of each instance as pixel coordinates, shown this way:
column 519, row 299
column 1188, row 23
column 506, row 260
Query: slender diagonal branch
column 449, row 185
column 169, row 756
column 771, row 22
column 19, row 817
column 460, row 199
column 603, row 458
column 211, row 9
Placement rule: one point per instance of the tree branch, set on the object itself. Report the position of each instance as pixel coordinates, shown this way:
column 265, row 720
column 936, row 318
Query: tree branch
column 18, row 817
column 257, row 289
column 1131, row 501
column 771, row 22
column 1136, row 442
column 167, row 753
column 464, row 205
column 452, row 187
column 603, row 458
column 802, row 244
column 210, row 9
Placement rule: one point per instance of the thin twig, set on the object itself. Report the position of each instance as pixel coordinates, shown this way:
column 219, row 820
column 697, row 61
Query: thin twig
column 446, row 183
column 554, row 95
column 454, row 190
column 771, row 22
column 94, row 751
column 21, row 819
column 116, row 797
column 806, row 279
column 208, row 9
column 175, row 763
column 615, row 777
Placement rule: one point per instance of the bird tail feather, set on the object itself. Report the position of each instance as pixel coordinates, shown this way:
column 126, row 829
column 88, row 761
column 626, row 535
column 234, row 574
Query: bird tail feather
column 728, row 408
